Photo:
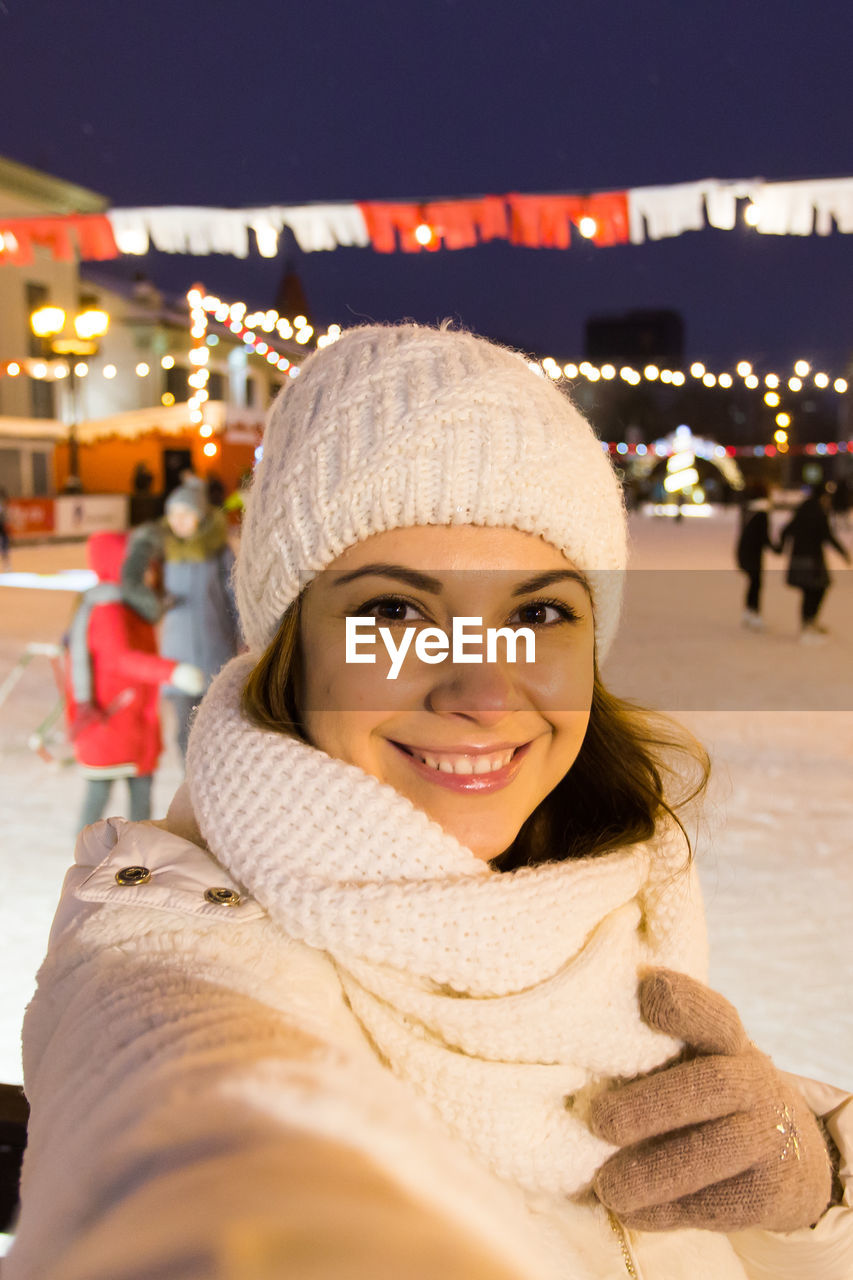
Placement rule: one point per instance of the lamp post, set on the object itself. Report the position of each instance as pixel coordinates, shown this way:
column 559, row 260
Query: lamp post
column 48, row 323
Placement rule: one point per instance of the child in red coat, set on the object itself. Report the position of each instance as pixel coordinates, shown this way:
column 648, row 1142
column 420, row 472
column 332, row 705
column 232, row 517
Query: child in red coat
column 114, row 673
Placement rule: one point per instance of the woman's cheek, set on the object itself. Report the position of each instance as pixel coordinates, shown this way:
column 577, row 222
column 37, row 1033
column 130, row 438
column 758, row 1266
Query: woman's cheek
column 344, row 735
column 560, row 681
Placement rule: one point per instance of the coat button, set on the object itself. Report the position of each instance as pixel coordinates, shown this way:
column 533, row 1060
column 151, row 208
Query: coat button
column 133, row 875
column 222, row 897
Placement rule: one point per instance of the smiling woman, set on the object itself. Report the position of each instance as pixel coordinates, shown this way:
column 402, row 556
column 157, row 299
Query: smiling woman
column 411, row 980
column 587, row 770
column 478, row 746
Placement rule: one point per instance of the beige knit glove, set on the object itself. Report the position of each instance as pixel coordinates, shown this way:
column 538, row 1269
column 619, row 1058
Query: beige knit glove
column 721, row 1140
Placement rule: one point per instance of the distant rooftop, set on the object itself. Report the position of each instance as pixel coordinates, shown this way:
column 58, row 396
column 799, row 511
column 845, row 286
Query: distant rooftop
column 55, row 195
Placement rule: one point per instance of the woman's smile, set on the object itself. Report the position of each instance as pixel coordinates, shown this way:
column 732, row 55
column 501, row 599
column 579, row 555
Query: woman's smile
column 468, row 769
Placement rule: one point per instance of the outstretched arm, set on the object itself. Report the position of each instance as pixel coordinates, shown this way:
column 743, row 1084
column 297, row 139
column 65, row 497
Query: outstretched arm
column 184, row 1128
column 108, row 636
column 175, row 1132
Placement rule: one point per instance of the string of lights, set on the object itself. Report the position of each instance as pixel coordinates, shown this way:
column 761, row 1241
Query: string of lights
column 59, row 369
column 245, row 325
column 823, row 449
column 802, row 377
column 256, row 330
column 260, row 330
column 253, row 328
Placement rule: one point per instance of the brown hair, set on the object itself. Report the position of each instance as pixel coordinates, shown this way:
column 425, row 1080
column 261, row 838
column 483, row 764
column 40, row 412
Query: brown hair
column 617, row 791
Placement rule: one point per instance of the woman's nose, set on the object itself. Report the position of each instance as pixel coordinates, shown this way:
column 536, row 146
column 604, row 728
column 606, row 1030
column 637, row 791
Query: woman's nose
column 484, row 692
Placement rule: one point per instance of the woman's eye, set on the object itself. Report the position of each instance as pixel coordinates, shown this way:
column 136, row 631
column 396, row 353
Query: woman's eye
column 542, row 613
column 390, row 609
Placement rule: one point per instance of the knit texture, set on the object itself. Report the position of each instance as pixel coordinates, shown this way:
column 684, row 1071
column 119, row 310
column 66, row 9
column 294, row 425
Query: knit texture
column 402, row 426
column 505, row 1000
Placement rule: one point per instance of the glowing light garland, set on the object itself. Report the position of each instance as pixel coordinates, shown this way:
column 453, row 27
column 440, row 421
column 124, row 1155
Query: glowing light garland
column 246, row 328
column 571, row 372
column 823, row 449
column 198, row 357
column 258, row 331
column 55, row 370
column 245, row 325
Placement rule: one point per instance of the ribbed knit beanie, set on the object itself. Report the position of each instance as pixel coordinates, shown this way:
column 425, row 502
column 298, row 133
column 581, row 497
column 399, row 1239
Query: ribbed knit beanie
column 396, row 426
column 191, row 493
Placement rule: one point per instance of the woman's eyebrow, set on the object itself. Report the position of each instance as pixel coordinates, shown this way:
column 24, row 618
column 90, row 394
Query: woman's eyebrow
column 425, row 582
column 421, row 581
column 542, row 580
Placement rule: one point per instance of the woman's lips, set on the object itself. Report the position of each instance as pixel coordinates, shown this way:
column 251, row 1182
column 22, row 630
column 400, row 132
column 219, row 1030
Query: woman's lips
column 466, row 782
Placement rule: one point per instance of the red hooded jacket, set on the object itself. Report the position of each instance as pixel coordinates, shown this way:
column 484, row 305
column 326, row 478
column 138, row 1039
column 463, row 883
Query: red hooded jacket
column 119, row 730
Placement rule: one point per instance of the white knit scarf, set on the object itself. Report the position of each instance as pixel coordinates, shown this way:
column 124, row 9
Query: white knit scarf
column 503, row 999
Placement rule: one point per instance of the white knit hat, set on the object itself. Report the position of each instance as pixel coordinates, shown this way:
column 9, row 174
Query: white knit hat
column 397, row 426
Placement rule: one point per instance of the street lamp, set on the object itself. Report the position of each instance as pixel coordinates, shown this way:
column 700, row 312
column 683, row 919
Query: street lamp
column 48, row 323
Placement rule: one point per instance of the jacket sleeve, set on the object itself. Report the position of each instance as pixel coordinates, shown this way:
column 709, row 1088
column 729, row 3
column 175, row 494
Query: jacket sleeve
column 108, row 636
column 825, row 1251
column 184, row 1129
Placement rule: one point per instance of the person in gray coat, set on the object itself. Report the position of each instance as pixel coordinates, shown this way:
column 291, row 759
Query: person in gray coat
column 200, row 626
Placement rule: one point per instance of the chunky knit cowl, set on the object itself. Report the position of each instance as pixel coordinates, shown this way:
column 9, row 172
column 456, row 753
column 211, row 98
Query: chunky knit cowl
column 505, row 1000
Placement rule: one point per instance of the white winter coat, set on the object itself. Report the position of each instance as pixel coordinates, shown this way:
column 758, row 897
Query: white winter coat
column 205, row 1104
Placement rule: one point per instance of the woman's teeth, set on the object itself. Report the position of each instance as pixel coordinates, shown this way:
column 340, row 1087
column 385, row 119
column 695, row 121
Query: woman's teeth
column 468, row 764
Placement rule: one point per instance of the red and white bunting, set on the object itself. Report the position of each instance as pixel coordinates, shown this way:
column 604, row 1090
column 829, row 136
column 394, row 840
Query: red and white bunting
column 536, row 221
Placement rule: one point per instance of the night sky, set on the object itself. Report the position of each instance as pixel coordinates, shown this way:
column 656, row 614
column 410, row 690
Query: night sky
column 231, row 103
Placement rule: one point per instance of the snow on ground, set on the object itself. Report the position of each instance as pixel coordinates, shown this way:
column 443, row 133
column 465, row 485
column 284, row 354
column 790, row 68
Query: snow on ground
column 775, row 849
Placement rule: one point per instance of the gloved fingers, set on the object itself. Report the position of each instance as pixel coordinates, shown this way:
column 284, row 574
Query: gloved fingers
column 685, row 1161
column 687, row 1010
column 734, row 1204
column 688, row 1093
column 759, row 1197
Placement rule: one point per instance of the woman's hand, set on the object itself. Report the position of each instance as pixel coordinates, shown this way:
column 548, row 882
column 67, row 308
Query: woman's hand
column 721, row 1140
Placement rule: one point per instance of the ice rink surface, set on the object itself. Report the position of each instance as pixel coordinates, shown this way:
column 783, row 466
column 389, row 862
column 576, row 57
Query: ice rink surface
column 775, row 843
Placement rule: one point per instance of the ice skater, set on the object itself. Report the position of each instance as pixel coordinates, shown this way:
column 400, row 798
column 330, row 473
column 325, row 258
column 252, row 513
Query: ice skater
column 754, row 539
column 808, row 532
column 200, row 626
column 114, row 674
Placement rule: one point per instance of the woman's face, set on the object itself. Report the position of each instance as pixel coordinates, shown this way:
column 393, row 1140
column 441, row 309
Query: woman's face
column 475, row 745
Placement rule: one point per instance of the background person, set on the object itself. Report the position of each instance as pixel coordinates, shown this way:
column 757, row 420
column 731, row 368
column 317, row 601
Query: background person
column 808, row 532
column 143, row 478
column 754, row 538
column 412, row 979
column 200, row 626
column 114, row 675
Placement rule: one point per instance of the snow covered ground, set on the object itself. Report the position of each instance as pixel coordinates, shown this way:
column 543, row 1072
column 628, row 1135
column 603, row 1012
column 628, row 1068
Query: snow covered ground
column 775, row 847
